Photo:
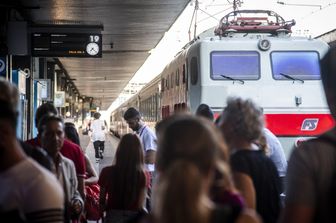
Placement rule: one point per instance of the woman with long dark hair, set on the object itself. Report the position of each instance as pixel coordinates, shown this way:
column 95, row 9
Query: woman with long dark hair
column 123, row 184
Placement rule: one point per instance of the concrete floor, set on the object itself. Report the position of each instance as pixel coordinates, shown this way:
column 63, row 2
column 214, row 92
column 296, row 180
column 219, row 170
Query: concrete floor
column 110, row 147
column 111, row 143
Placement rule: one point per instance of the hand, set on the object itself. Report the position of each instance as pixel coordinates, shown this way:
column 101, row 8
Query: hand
column 76, row 207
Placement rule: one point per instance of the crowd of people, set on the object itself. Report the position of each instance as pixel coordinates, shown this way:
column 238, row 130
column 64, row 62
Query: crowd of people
column 191, row 169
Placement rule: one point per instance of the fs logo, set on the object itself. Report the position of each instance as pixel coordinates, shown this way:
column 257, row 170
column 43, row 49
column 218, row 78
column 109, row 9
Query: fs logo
column 309, row 124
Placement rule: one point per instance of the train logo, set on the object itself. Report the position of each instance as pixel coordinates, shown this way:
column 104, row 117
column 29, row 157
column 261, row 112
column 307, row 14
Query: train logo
column 309, row 124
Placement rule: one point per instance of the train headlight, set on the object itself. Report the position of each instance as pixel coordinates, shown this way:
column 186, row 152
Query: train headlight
column 264, row 44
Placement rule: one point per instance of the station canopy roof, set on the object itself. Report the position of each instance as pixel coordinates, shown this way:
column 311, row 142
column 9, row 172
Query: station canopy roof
column 131, row 29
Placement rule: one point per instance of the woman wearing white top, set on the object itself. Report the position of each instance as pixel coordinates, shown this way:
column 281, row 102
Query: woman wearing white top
column 98, row 136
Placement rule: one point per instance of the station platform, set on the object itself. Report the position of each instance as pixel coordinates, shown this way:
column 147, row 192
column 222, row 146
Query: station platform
column 111, row 144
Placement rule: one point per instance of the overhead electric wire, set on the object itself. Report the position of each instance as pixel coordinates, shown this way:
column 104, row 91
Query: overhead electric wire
column 209, row 15
column 213, row 16
column 192, row 19
column 195, row 24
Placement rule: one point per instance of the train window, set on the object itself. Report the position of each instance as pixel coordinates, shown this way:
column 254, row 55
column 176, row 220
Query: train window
column 295, row 65
column 154, row 107
column 227, row 65
column 193, row 71
column 184, row 77
column 177, row 78
column 167, row 83
column 172, row 80
column 163, row 85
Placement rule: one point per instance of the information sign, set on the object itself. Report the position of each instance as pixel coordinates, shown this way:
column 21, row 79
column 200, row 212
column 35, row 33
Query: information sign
column 59, row 99
column 66, row 45
column 22, row 82
column 44, row 88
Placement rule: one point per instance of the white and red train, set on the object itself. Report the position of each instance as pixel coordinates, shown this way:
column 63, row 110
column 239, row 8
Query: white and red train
column 250, row 57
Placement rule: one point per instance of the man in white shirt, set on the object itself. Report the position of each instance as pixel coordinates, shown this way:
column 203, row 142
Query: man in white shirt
column 147, row 136
column 98, row 136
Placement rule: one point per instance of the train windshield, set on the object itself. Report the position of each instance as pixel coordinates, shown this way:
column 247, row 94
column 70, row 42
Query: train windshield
column 295, row 65
column 238, row 65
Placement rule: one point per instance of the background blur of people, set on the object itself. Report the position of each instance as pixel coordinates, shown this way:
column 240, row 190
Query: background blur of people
column 255, row 174
column 29, row 192
column 203, row 110
column 311, row 177
column 188, row 151
column 10, row 94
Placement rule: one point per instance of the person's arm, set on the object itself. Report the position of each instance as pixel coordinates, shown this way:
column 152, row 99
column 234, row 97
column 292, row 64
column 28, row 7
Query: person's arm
column 48, row 200
column 149, row 144
column 80, row 171
column 81, row 186
column 150, row 157
column 245, row 185
column 297, row 213
column 77, row 200
column 91, row 172
column 301, row 191
column 102, row 198
column 102, row 182
column 248, row 216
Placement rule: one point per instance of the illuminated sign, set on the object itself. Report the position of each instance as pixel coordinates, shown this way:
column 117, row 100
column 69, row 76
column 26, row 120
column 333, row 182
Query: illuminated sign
column 66, row 45
column 59, row 100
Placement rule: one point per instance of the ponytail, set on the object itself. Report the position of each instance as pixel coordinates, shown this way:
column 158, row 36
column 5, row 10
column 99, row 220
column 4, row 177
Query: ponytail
column 180, row 195
column 262, row 144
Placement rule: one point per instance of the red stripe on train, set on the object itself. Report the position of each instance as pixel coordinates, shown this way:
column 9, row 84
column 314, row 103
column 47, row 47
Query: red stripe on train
column 299, row 124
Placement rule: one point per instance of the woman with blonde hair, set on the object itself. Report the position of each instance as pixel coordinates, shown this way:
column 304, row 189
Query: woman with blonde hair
column 186, row 159
column 255, row 175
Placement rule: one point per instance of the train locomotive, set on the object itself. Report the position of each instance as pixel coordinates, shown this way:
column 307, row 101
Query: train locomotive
column 251, row 54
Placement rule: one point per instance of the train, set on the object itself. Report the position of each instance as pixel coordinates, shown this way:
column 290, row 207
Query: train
column 250, row 54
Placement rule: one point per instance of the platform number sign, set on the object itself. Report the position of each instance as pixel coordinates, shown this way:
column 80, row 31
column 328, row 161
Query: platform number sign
column 3, row 66
column 92, row 48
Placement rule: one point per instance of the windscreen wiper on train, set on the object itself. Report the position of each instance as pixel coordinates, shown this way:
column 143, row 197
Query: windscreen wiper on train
column 291, row 78
column 232, row 79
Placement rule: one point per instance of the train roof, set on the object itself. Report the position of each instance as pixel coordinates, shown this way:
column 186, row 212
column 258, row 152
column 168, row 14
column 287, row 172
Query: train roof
column 253, row 21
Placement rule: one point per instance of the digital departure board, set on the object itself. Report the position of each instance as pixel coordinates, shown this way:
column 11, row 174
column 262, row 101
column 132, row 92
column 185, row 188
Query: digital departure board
column 66, row 45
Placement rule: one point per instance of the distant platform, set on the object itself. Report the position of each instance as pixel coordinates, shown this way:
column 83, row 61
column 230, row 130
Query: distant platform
column 111, row 144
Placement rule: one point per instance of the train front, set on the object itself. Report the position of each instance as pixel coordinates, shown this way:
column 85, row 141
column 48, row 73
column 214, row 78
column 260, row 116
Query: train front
column 279, row 72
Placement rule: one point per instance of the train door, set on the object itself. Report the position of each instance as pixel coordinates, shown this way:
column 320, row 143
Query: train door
column 194, row 82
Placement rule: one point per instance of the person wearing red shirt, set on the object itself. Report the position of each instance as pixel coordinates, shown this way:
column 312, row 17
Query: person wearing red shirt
column 123, row 184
